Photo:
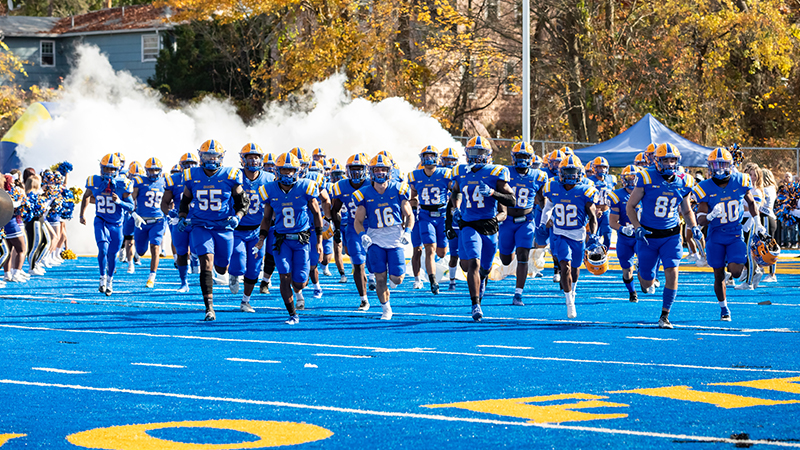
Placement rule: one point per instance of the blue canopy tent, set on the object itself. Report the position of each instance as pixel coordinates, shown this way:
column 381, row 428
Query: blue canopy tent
column 621, row 149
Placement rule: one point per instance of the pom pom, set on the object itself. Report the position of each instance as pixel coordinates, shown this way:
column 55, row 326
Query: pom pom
column 68, row 254
column 787, row 200
column 77, row 194
column 64, row 168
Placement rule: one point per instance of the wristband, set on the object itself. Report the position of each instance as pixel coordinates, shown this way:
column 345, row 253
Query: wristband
column 263, row 233
column 408, row 230
column 318, row 231
column 360, row 235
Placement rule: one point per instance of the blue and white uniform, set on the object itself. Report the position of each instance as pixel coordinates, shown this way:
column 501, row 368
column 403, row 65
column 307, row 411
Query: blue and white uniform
column 292, row 222
column 210, row 210
column 245, row 236
column 604, row 186
column 475, row 207
column 569, row 219
column 108, row 218
column 626, row 246
column 432, row 197
column 343, row 190
column 384, row 225
column 724, row 243
column 518, row 232
column 180, row 239
column 148, row 207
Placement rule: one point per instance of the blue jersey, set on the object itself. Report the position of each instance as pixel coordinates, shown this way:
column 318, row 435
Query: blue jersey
column 343, row 190
column 608, row 183
column 618, row 201
column 475, row 206
column 211, row 194
column 431, row 190
column 569, row 206
column 148, row 200
column 525, row 186
column 102, row 191
column 662, row 199
column 731, row 196
column 550, row 174
column 255, row 212
column 383, row 210
column 290, row 209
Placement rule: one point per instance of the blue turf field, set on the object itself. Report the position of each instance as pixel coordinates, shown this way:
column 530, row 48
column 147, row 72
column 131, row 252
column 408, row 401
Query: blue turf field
column 77, row 363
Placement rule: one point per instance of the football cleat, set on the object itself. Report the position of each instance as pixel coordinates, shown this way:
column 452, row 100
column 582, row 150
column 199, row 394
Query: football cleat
column 221, row 279
column 387, row 311
column 725, row 317
column 150, row 284
column 651, row 290
column 435, row 288
column 343, row 279
column 300, row 304
column 371, row 284
column 633, row 298
column 769, row 279
column 452, row 285
column 210, row 315
column 364, row 306
column 233, row 284
column 131, row 268
column 293, row 320
column 264, row 288
column 245, row 307
column 184, row 288
column 744, row 287
column 326, row 272
column 663, row 322
column 557, row 278
column 728, row 279
column 517, row 300
column 317, row 292
column 102, row 287
column 571, row 311
column 109, row 289
column 477, row 313
column 417, row 284
column 656, row 283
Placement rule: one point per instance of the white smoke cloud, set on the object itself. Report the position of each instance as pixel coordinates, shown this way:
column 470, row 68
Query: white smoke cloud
column 103, row 111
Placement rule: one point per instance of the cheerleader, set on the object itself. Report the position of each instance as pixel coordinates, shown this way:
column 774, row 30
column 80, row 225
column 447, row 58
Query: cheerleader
column 15, row 234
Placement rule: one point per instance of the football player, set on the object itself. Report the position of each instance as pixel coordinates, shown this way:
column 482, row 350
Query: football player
column 719, row 200
column 604, row 182
column 383, row 222
column 337, row 174
column 343, row 197
column 136, row 169
column 429, row 186
column 449, row 160
column 662, row 194
column 483, row 185
column 618, row 220
column 291, row 203
column 517, row 230
column 148, row 217
column 112, row 196
column 212, row 205
column 169, row 206
column 570, row 202
column 246, row 260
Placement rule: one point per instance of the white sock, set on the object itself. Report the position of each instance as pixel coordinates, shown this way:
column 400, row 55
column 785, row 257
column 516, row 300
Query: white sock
column 371, row 277
column 392, row 284
column 317, row 286
column 518, row 291
column 103, row 280
column 417, row 279
column 245, row 298
column 574, row 284
column 723, row 304
column 364, row 298
column 299, row 295
column 453, row 272
column 109, row 280
column 567, row 295
column 151, row 277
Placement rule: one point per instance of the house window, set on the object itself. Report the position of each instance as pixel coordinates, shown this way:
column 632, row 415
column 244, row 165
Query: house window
column 491, row 10
column 47, row 52
column 510, row 76
column 150, row 47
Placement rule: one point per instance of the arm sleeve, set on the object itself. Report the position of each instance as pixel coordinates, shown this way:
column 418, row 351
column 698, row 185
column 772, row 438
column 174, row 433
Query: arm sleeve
column 241, row 202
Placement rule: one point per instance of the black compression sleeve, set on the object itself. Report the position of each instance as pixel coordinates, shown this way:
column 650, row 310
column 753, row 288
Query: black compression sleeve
column 241, row 203
column 184, row 207
column 505, row 199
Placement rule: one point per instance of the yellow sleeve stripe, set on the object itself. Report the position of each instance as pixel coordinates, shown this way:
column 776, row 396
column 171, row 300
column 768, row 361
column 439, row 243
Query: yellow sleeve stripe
column 699, row 192
column 336, row 190
column 90, row 181
column 187, row 174
column 613, row 196
column 646, row 178
column 411, row 176
column 233, row 174
column 358, row 195
column 262, row 192
column 139, row 180
column 310, row 188
column 496, row 171
column 746, row 181
column 448, row 174
column 403, row 189
column 547, row 187
column 169, row 181
column 591, row 192
column 455, row 171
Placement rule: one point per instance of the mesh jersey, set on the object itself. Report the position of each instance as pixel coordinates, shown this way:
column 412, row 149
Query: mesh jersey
column 732, row 196
column 431, row 190
column 343, row 190
column 604, row 186
column 148, row 200
column 383, row 210
column 618, row 201
column 550, row 174
column 475, row 206
column 101, row 189
column 525, row 186
column 290, row 209
column 661, row 198
column 255, row 212
column 569, row 206
column 211, row 193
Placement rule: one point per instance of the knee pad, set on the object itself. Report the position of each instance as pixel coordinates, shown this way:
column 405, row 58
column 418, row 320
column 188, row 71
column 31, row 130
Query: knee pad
column 483, row 272
column 523, row 259
column 250, row 280
column 127, row 238
column 628, row 280
column 206, row 283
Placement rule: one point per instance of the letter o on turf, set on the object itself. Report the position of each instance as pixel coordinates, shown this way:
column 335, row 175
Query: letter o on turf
column 135, row 437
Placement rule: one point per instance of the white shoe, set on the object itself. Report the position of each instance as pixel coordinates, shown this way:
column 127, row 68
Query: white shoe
column 245, row 307
column 38, row 270
column 417, row 284
column 571, row 311
column 757, row 278
column 769, row 279
column 663, row 322
column 131, row 268
column 326, row 272
column 364, row 306
column 233, row 284
column 729, row 279
column 343, row 279
column 744, row 287
column 557, row 278
column 743, row 276
column 19, row 278
column 656, row 283
column 183, row 289
column 652, row 289
column 293, row 320
column 387, row 311
column 8, row 277
column 221, row 279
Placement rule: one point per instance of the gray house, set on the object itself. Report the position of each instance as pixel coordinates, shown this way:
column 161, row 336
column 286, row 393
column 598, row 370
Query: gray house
column 131, row 37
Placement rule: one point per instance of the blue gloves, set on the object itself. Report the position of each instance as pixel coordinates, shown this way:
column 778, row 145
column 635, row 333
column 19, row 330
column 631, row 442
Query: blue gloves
column 641, row 234
column 184, row 224
column 593, row 241
column 232, row 222
column 485, row 190
column 697, row 233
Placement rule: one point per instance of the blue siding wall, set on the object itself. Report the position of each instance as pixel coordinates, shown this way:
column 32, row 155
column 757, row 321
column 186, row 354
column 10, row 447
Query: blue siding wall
column 28, row 50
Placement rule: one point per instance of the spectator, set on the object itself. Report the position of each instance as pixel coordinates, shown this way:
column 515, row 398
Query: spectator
column 767, row 210
column 788, row 235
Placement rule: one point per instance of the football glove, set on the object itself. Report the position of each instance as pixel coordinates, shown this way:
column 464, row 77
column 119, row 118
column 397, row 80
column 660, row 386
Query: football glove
column 718, row 211
column 641, row 235
column 184, row 224
column 137, row 220
column 232, row 222
column 366, row 241
column 697, row 233
column 485, row 190
column 627, row 230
